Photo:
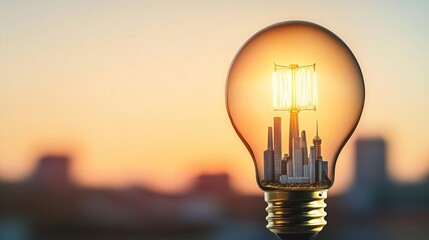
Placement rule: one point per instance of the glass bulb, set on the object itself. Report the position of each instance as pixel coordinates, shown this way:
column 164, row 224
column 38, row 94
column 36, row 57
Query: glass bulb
column 294, row 95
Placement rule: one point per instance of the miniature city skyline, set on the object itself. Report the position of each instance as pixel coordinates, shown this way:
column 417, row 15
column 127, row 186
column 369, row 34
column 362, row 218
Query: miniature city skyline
column 300, row 167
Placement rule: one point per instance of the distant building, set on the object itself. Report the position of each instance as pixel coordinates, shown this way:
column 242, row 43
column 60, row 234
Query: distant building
column 371, row 162
column 212, row 184
column 52, row 171
column 371, row 179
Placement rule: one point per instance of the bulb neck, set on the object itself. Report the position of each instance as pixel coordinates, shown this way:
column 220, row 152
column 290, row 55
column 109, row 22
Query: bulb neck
column 296, row 215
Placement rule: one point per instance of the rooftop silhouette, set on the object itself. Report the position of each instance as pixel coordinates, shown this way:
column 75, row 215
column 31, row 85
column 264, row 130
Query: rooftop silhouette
column 48, row 205
column 52, row 171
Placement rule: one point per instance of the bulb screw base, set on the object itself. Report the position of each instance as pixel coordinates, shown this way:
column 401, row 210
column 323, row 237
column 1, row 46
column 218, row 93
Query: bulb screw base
column 296, row 215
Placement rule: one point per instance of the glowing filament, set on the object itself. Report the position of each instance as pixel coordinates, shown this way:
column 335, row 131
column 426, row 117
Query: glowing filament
column 294, row 88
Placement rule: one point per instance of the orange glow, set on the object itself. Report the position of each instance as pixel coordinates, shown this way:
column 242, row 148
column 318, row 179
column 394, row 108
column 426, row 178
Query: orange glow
column 340, row 90
column 135, row 91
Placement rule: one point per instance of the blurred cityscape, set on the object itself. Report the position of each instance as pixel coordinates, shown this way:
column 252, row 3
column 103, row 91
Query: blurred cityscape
column 48, row 205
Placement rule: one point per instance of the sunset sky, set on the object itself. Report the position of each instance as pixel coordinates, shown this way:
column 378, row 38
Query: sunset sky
column 134, row 91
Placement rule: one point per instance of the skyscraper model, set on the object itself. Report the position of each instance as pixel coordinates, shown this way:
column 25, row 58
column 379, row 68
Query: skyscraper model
column 277, row 148
column 317, row 142
column 269, row 158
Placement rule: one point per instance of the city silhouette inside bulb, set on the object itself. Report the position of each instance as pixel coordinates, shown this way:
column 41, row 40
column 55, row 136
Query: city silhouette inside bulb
column 282, row 108
column 294, row 90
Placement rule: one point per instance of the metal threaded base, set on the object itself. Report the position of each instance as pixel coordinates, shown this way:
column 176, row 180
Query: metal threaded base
column 296, row 214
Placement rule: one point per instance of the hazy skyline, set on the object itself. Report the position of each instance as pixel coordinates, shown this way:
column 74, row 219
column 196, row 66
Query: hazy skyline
column 135, row 90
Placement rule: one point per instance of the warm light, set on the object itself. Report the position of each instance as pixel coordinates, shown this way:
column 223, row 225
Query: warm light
column 295, row 159
column 294, row 87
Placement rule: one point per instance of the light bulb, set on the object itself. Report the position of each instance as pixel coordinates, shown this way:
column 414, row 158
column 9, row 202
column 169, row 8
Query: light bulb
column 294, row 95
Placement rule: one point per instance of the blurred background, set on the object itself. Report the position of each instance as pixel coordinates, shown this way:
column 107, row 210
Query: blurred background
column 113, row 122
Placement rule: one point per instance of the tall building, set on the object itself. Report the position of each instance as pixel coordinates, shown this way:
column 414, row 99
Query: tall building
column 324, row 170
column 371, row 163
column 371, row 179
column 317, row 142
column 284, row 165
column 289, row 170
column 304, row 148
column 293, row 129
column 306, row 170
column 269, row 158
column 52, row 171
column 319, row 170
column 297, row 158
column 277, row 148
column 212, row 183
column 312, row 163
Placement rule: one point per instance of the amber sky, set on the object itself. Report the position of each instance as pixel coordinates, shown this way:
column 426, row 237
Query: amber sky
column 135, row 89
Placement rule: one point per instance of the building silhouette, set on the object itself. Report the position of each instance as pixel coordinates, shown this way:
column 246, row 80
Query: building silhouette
column 277, row 148
column 371, row 163
column 371, row 179
column 300, row 165
column 269, row 158
column 209, row 210
column 52, row 172
column 317, row 142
